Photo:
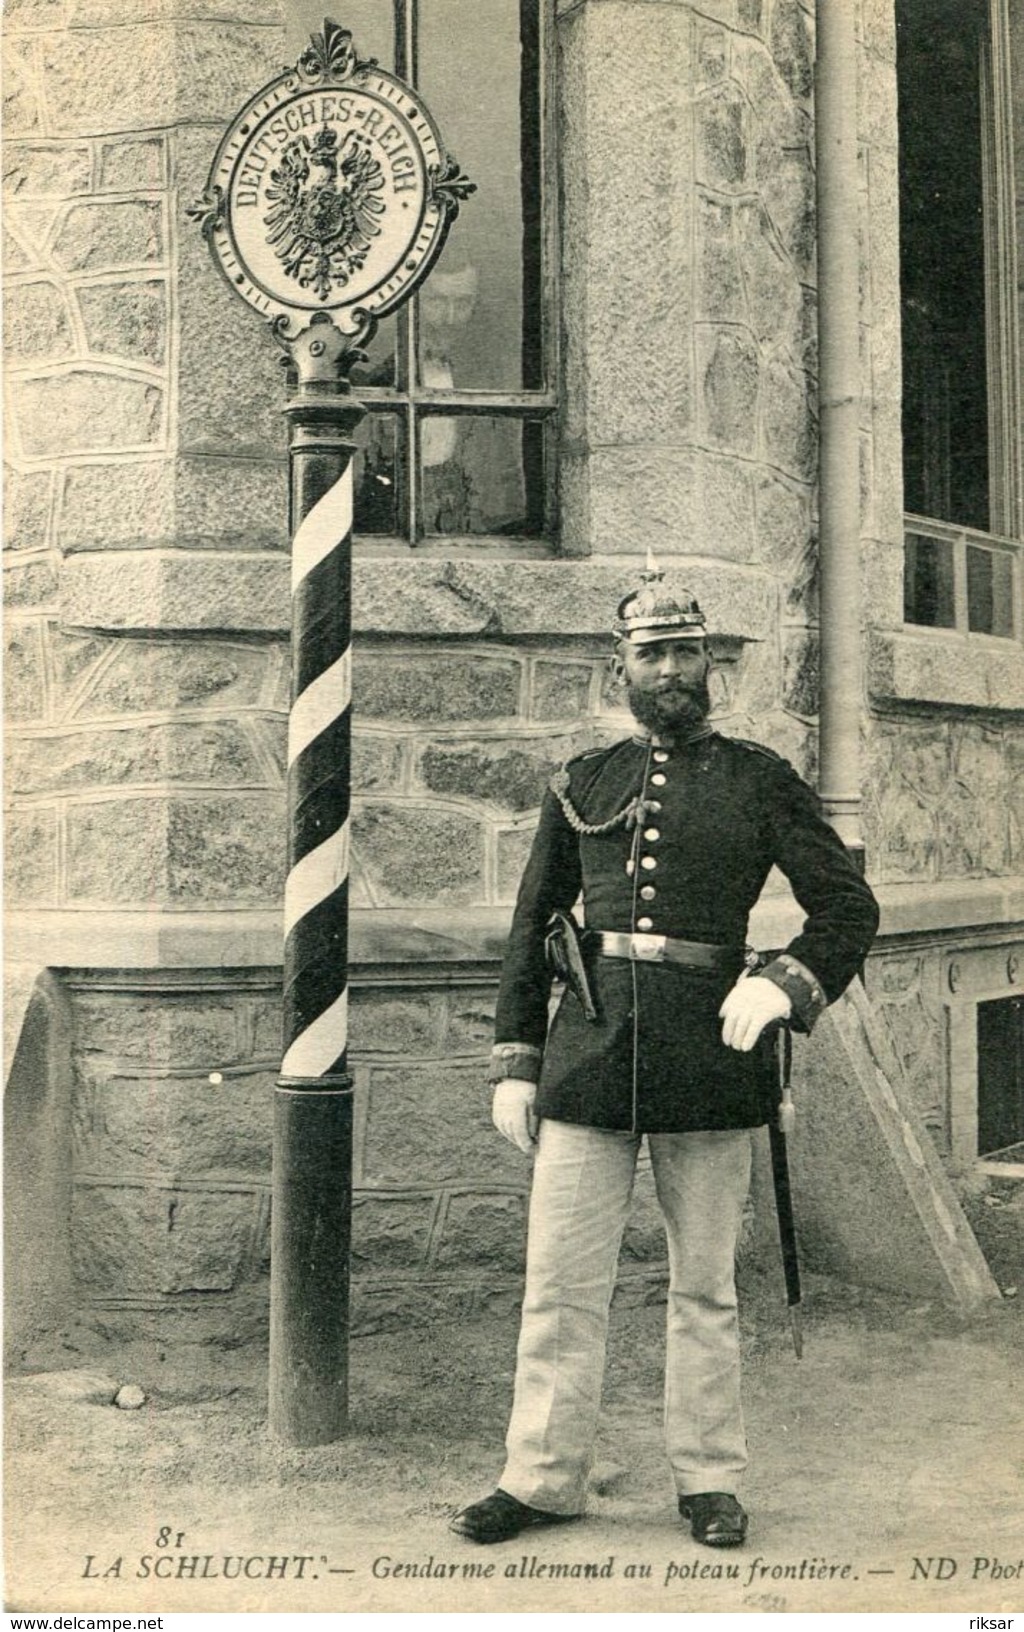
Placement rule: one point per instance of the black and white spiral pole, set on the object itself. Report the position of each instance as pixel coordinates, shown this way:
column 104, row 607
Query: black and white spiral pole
column 328, row 201
column 311, row 1219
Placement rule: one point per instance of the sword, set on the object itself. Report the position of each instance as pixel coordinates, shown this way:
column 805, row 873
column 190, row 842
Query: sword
column 782, row 1123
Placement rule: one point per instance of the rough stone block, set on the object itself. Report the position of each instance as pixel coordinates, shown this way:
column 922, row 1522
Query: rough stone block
column 974, row 835
column 800, row 673
column 30, row 855
column 471, row 1022
column 513, row 849
column 73, row 655
column 131, row 1239
column 37, row 325
column 638, row 497
column 17, row 257
column 789, row 426
column 430, row 1124
column 24, row 687
column 266, row 1028
column 774, row 296
column 106, row 506
column 722, row 143
column 433, row 687
column 158, row 1028
column 636, row 302
column 126, row 320
column 31, row 586
column 231, row 387
column 176, row 590
column 230, row 503
column 150, row 676
column 226, row 850
column 376, row 763
column 151, row 74
column 183, row 1127
column 101, row 13
column 110, row 235
column 560, row 691
column 390, row 1232
column 783, row 523
column 402, row 1024
column 22, row 103
column 485, row 1232
column 724, row 504
column 412, row 854
column 84, row 411
column 187, row 752
column 190, row 851
column 26, row 508
column 792, row 46
column 44, row 169
column 719, row 288
column 712, row 55
column 133, row 164
column 510, row 774
column 729, row 372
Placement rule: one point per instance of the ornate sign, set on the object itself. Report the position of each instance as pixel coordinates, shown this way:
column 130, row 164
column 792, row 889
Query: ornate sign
column 331, row 192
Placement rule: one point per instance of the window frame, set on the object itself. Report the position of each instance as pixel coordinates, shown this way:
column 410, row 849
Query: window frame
column 411, row 403
column 960, row 538
column 1002, row 343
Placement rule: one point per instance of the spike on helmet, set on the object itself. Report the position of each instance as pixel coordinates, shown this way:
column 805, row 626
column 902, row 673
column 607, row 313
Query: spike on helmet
column 658, row 611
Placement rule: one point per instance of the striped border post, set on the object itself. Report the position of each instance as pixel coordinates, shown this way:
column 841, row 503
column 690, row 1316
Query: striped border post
column 312, row 1168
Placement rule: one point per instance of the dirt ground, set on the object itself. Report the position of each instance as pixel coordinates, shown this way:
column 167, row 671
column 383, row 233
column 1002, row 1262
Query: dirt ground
column 886, row 1472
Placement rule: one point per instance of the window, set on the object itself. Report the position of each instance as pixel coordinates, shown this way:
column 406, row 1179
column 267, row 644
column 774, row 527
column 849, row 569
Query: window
column 459, row 439
column 957, row 579
column 960, row 325
column 1001, row 1078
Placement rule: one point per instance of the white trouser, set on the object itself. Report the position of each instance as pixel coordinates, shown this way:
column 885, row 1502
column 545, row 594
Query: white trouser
column 582, row 1182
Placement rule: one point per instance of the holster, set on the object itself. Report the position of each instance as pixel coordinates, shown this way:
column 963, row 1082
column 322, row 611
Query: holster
column 564, row 951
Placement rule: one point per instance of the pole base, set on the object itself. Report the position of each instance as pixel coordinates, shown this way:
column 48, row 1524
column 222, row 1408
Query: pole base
column 311, row 1222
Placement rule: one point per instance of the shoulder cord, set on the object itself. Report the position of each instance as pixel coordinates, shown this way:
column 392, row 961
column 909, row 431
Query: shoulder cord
column 629, row 816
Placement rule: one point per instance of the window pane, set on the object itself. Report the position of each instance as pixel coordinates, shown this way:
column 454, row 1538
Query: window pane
column 375, row 477
column 989, row 591
column 482, row 475
column 479, row 73
column 928, row 582
column 942, row 275
column 379, row 368
column 368, row 21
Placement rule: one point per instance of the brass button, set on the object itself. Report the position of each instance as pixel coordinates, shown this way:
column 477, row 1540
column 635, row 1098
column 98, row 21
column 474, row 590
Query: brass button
column 651, row 833
column 645, row 923
column 648, row 863
column 660, row 756
column 648, row 892
column 658, row 779
column 654, row 805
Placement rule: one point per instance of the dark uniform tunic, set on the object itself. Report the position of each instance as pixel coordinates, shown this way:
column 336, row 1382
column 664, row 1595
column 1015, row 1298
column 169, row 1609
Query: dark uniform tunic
column 717, row 813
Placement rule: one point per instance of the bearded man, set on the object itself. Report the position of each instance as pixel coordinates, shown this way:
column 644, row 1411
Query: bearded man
column 670, row 835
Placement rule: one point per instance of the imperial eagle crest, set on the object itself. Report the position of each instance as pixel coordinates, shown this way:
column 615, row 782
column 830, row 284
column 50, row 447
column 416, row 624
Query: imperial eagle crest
column 324, row 203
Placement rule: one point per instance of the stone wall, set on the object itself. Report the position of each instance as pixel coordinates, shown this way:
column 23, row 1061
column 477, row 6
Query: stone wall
column 172, row 1116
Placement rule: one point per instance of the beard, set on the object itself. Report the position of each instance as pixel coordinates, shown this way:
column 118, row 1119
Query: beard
column 673, row 712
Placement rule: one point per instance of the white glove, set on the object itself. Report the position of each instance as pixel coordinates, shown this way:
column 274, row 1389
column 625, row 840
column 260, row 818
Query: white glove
column 512, row 1112
column 752, row 1004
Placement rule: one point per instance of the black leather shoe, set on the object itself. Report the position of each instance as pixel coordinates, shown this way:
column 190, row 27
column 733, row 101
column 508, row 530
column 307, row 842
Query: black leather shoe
column 716, row 1518
column 500, row 1517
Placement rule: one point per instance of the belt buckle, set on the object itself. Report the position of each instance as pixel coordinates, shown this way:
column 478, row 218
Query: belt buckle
column 648, row 948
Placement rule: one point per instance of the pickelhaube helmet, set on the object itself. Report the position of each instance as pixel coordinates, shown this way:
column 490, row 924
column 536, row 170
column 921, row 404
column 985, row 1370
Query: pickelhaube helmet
column 658, row 611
